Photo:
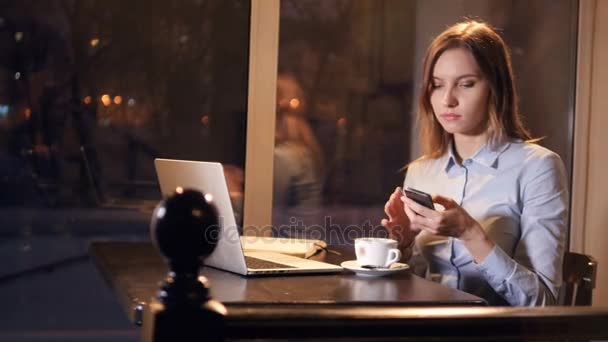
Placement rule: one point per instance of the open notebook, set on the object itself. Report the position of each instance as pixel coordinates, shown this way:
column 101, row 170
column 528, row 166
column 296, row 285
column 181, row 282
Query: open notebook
column 260, row 255
column 302, row 248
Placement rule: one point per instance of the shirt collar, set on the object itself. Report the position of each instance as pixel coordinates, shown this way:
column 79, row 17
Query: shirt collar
column 450, row 158
column 487, row 155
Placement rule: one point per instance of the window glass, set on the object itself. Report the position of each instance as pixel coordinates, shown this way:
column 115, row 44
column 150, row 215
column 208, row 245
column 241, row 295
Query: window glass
column 347, row 83
column 93, row 91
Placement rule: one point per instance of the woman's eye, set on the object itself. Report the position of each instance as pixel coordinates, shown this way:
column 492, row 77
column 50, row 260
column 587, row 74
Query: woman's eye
column 436, row 86
column 467, row 84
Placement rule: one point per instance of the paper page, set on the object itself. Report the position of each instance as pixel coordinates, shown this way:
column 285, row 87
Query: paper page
column 296, row 247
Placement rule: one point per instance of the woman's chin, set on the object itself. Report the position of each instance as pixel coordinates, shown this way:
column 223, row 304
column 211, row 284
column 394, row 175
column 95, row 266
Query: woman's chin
column 455, row 128
column 452, row 127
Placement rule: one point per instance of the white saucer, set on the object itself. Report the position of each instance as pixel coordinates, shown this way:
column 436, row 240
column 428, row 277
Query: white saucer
column 352, row 265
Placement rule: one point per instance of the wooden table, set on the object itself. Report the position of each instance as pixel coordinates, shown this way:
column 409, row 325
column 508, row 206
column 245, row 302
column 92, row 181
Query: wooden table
column 402, row 306
column 135, row 269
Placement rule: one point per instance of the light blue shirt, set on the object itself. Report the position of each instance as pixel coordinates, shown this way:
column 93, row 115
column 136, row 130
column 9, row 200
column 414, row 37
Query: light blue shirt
column 518, row 193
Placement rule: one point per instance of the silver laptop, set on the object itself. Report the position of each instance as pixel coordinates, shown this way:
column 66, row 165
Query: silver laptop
column 208, row 177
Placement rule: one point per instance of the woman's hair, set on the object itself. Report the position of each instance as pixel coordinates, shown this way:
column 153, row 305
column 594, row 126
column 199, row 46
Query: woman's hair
column 493, row 58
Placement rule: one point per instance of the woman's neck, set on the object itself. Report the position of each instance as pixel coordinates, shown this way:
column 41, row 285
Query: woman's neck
column 467, row 145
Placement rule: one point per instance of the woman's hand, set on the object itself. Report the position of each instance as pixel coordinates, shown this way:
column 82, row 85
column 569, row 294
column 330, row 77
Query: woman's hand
column 398, row 224
column 453, row 221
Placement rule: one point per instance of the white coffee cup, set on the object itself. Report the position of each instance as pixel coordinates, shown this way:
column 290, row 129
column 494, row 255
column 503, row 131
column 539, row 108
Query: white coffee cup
column 376, row 252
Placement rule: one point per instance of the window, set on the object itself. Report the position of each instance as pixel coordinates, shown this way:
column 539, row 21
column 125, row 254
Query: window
column 93, row 91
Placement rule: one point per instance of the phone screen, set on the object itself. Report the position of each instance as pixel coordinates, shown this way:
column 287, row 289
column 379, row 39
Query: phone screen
column 419, row 197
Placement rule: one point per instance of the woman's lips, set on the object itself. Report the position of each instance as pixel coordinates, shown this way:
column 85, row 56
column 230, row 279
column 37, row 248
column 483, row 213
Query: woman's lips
column 450, row 116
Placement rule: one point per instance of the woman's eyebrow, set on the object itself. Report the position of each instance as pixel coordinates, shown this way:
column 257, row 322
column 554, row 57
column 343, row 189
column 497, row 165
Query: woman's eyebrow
column 457, row 78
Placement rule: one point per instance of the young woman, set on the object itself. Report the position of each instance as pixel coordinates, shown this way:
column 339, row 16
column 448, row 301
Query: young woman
column 500, row 227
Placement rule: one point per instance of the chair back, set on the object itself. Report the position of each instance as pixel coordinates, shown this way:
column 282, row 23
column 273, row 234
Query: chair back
column 579, row 278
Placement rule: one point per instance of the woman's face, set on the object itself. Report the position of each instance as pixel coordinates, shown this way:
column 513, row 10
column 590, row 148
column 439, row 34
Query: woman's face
column 459, row 94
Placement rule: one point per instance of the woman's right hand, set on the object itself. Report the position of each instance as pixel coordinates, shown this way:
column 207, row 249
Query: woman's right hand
column 398, row 224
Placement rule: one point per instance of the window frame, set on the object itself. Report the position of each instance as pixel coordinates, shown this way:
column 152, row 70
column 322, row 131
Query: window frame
column 261, row 113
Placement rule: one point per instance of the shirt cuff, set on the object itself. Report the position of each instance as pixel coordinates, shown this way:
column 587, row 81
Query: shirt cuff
column 497, row 267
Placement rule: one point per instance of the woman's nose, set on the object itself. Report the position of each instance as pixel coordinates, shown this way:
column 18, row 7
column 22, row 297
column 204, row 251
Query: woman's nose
column 449, row 99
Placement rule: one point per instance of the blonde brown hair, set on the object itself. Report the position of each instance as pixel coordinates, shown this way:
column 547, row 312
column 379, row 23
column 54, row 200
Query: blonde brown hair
column 494, row 60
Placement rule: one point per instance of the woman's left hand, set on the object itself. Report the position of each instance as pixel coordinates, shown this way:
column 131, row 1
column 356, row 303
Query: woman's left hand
column 453, row 221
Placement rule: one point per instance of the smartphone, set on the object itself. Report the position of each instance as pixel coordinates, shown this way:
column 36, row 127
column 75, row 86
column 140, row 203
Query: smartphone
column 419, row 197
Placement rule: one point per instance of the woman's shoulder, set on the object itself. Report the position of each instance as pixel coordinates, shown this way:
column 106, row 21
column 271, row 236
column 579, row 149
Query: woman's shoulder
column 533, row 152
column 535, row 158
column 425, row 166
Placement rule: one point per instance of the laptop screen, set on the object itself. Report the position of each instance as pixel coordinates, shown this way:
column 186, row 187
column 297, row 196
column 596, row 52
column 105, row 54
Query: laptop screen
column 207, row 177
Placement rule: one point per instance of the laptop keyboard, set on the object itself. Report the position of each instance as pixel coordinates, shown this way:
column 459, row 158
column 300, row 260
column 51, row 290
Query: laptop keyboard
column 259, row 264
